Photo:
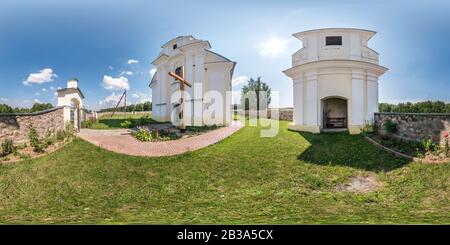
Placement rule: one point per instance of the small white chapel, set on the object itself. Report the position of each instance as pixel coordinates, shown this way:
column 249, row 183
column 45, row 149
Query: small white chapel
column 206, row 101
column 335, row 80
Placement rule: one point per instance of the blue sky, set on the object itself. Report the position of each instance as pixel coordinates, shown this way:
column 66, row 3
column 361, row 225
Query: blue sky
column 95, row 41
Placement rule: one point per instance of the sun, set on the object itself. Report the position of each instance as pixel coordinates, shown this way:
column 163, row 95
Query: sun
column 273, row 47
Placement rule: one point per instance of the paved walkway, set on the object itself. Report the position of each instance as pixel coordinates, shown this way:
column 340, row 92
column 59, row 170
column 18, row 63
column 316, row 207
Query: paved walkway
column 122, row 141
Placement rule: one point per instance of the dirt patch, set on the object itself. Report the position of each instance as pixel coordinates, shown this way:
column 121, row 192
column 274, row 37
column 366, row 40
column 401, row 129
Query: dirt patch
column 360, row 184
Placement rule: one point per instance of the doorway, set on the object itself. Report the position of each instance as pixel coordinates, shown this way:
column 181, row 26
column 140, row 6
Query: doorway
column 334, row 113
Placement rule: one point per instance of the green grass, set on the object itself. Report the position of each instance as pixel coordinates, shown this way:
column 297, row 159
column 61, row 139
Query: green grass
column 289, row 179
column 108, row 122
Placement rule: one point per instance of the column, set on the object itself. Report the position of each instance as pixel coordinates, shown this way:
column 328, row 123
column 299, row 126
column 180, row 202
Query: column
column 311, row 118
column 298, row 101
column 358, row 100
column 198, row 88
column 372, row 96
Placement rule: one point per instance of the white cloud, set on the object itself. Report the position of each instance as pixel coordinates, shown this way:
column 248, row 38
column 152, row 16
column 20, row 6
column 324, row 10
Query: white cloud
column 44, row 90
column 133, row 62
column 52, row 88
column 55, row 94
column 110, row 68
column 44, row 76
column 37, row 94
column 3, row 99
column 141, row 97
column 129, row 73
column 152, row 72
column 59, row 87
column 111, row 99
column 115, row 83
column 238, row 81
column 37, row 101
column 273, row 47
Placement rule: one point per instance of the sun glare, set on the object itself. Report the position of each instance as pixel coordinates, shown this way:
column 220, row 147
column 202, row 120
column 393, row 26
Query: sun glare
column 273, row 47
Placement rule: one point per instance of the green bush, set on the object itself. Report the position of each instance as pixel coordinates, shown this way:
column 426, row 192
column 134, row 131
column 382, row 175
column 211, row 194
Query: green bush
column 126, row 124
column 35, row 142
column 87, row 123
column 60, row 135
column 390, row 127
column 69, row 130
column 48, row 140
column 429, row 145
column 143, row 134
column 8, row 147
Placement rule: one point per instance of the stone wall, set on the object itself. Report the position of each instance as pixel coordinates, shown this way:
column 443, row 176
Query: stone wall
column 415, row 126
column 285, row 114
column 15, row 126
column 108, row 114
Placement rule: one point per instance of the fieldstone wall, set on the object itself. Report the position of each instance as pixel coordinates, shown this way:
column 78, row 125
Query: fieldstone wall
column 285, row 114
column 15, row 126
column 415, row 126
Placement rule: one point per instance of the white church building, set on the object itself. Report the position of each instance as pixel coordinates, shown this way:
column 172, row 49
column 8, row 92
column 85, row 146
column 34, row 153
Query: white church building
column 209, row 74
column 335, row 80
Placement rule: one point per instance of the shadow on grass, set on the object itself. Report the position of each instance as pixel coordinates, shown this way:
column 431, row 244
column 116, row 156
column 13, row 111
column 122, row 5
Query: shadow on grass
column 354, row 151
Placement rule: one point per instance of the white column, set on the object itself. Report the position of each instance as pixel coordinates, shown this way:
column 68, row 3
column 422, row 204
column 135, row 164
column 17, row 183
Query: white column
column 298, row 101
column 358, row 101
column 372, row 96
column 164, row 94
column 189, row 76
column 311, row 101
column 198, row 88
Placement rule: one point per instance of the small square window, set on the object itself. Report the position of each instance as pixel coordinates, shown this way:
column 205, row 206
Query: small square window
column 175, row 46
column 333, row 40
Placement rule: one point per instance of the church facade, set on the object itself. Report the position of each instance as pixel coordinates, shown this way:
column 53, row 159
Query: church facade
column 335, row 80
column 208, row 100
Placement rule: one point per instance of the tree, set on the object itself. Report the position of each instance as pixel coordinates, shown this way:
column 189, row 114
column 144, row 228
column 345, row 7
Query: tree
column 419, row 107
column 256, row 86
column 41, row 107
column 147, row 106
column 4, row 108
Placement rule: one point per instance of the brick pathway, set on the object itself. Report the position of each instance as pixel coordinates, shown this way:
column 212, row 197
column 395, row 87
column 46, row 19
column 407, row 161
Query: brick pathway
column 122, row 141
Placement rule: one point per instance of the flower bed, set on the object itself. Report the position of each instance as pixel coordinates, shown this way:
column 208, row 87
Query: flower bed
column 170, row 133
column 425, row 151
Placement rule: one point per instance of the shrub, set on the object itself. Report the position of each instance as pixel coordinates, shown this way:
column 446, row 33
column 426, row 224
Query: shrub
column 390, row 127
column 126, row 124
column 446, row 144
column 143, row 134
column 35, row 142
column 48, row 140
column 60, row 135
column 69, row 130
column 87, row 123
column 429, row 145
column 8, row 147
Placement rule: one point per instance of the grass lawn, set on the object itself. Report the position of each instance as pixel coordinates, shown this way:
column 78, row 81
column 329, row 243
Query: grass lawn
column 289, row 179
column 108, row 122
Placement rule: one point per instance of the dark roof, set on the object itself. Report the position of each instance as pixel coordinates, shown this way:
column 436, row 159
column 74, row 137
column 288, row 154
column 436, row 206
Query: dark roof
column 71, row 90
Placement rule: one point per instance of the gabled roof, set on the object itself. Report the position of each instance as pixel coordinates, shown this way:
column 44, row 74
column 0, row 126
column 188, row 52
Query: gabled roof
column 153, row 79
column 69, row 91
column 174, row 39
column 218, row 55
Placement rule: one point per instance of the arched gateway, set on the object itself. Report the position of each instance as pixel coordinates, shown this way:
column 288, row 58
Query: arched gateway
column 71, row 98
column 335, row 80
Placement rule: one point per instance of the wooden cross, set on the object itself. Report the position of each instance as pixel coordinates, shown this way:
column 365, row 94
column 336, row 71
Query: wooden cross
column 183, row 82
